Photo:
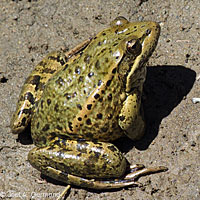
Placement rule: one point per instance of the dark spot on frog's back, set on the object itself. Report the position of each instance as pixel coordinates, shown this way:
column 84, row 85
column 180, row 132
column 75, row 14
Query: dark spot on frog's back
column 79, row 106
column 40, row 86
column 99, row 43
column 89, row 135
column 59, row 127
column 101, row 99
column 48, row 71
column 112, row 148
column 58, row 58
column 122, row 118
column 34, row 80
column 46, row 127
column 67, row 95
column 99, row 116
column 93, row 159
column 110, row 116
column 97, row 155
column 104, row 167
column 53, row 135
column 77, row 70
column 89, row 106
column 97, row 64
column 114, row 70
column 74, row 94
column 65, row 67
column 100, row 82
column 87, row 59
column 108, row 83
column 110, row 96
column 41, row 103
column 70, row 126
column 104, row 129
column 80, row 79
column 29, row 96
column 60, row 81
column 90, row 74
column 79, row 118
column 56, row 107
column 25, row 111
column 96, row 96
column 43, row 64
column 106, row 60
column 88, row 122
column 61, row 60
column 48, row 101
column 40, row 140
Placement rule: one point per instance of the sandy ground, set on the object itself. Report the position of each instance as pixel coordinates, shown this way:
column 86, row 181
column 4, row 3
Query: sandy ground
column 32, row 28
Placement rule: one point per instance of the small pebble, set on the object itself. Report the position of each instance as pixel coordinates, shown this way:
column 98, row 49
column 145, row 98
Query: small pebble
column 195, row 100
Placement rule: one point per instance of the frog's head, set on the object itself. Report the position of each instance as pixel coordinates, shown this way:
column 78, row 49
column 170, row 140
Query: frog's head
column 136, row 43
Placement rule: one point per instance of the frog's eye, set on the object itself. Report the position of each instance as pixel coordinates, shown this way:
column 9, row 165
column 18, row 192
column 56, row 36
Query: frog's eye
column 119, row 21
column 134, row 47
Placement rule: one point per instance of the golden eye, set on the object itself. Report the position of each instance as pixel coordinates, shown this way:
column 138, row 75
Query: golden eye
column 134, row 47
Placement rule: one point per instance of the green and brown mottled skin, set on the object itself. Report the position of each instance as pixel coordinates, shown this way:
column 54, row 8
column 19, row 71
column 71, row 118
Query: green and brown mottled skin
column 79, row 101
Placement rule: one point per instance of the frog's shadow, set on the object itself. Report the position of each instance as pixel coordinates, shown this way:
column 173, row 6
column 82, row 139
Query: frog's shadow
column 164, row 89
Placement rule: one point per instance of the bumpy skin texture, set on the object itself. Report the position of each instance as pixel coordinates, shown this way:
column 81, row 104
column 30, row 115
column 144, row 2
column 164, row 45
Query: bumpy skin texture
column 94, row 95
column 103, row 154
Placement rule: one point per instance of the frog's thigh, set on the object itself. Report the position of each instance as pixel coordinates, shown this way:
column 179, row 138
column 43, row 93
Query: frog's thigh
column 83, row 159
column 33, row 89
column 131, row 117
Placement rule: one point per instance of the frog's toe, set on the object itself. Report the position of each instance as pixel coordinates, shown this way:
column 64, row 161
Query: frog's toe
column 135, row 171
column 90, row 183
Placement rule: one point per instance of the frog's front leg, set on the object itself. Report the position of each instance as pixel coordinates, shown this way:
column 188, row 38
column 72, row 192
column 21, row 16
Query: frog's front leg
column 34, row 85
column 131, row 118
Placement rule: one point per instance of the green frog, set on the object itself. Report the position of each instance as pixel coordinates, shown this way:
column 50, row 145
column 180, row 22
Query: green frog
column 79, row 101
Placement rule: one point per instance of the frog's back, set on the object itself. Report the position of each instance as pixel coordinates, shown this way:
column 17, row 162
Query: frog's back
column 82, row 100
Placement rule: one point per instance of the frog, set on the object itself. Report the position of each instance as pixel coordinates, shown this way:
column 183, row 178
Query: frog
column 79, row 102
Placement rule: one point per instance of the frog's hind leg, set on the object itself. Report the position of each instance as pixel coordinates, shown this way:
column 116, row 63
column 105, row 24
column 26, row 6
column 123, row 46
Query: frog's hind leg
column 96, row 165
column 135, row 171
column 33, row 89
column 35, row 83
column 128, row 180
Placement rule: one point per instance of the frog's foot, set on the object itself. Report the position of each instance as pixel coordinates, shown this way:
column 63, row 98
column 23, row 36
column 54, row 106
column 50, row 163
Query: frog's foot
column 91, row 183
column 135, row 172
